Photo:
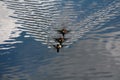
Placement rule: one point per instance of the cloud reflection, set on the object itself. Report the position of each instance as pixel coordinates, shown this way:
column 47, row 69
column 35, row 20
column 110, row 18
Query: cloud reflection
column 85, row 60
column 8, row 28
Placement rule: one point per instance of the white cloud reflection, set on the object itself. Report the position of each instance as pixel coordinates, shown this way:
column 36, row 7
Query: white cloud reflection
column 7, row 24
column 113, row 46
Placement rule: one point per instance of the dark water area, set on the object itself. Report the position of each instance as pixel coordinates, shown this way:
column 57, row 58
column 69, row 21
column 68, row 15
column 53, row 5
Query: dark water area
column 28, row 29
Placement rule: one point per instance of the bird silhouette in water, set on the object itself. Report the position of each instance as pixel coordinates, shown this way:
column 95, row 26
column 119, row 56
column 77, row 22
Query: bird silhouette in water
column 60, row 40
column 63, row 31
column 58, row 47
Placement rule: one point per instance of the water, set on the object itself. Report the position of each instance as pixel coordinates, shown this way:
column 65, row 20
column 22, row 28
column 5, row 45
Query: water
column 27, row 29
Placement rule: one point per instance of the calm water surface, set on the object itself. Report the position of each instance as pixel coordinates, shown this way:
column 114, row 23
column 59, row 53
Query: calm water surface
column 27, row 29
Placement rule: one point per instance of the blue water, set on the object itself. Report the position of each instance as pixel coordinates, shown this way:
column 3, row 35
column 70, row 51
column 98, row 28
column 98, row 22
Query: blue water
column 27, row 29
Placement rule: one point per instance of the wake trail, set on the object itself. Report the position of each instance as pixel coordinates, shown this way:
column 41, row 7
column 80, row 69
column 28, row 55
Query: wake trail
column 95, row 20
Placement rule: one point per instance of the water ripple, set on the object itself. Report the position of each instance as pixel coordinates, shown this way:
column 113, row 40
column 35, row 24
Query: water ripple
column 96, row 24
column 8, row 30
column 41, row 19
